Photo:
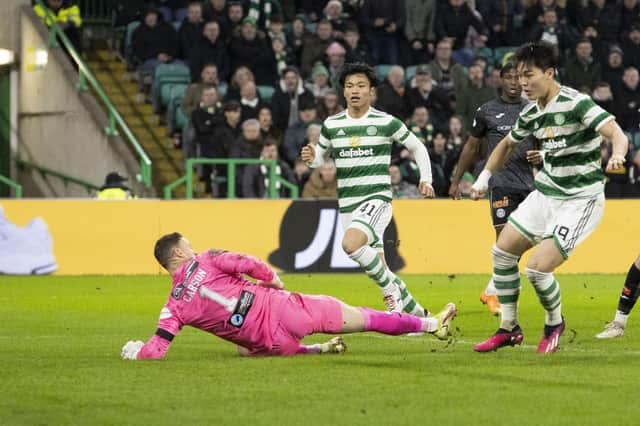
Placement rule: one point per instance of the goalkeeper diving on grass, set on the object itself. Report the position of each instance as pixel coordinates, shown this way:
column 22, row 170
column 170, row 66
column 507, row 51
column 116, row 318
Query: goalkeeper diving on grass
column 210, row 292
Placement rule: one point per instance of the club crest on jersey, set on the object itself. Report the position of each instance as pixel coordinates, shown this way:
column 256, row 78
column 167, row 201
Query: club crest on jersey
column 354, row 141
column 372, row 130
column 559, row 119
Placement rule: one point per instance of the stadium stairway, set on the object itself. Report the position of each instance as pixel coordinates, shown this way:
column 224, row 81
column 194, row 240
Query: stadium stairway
column 125, row 95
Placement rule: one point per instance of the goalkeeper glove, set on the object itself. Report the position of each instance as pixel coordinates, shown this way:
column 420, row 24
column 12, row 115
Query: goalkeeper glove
column 131, row 348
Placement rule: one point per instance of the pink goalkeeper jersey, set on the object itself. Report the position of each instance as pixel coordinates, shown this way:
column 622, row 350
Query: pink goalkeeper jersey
column 209, row 293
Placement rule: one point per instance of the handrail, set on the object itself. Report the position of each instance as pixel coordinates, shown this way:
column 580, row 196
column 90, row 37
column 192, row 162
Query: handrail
column 231, row 177
column 66, row 179
column 12, row 184
column 115, row 119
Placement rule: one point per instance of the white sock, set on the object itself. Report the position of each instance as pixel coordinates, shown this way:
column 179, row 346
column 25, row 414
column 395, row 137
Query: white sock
column 491, row 288
column 621, row 318
column 548, row 291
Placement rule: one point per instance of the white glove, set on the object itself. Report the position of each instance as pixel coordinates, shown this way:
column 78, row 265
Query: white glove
column 481, row 185
column 131, row 348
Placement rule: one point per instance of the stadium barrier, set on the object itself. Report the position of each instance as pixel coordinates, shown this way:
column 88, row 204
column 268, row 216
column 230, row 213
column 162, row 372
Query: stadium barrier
column 432, row 236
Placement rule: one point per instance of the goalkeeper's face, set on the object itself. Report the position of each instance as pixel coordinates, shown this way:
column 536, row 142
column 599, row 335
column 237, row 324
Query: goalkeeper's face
column 183, row 251
column 358, row 91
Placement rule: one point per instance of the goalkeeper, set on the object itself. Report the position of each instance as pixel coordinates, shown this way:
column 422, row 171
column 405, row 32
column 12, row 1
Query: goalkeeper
column 210, row 293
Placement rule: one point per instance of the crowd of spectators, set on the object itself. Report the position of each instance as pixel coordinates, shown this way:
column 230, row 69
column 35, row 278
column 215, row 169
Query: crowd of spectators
column 443, row 60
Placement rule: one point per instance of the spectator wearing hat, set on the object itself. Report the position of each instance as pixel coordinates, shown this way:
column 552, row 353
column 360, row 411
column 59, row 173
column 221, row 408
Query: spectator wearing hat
column 631, row 46
column 425, row 93
column 249, row 50
column 333, row 14
column 210, row 48
column 154, row 42
column 323, row 182
column 612, row 71
column 314, row 48
column 383, row 20
column 582, row 72
column 627, row 101
column 392, row 96
column 296, row 135
column 289, row 94
column 319, row 84
column 336, row 55
column 114, row 188
column 255, row 179
column 472, row 95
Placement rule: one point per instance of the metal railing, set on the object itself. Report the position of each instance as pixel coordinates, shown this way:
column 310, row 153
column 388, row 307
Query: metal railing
column 17, row 188
column 66, row 179
column 85, row 75
column 231, row 163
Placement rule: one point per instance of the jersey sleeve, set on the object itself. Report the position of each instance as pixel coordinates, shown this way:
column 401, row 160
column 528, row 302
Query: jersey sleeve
column 591, row 114
column 237, row 263
column 520, row 130
column 169, row 325
column 479, row 124
column 398, row 131
column 325, row 137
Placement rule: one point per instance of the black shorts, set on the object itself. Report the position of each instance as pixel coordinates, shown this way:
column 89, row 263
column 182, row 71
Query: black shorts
column 504, row 201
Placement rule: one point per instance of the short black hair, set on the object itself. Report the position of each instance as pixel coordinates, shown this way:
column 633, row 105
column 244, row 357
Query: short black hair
column 508, row 66
column 540, row 54
column 164, row 248
column 232, row 105
column 358, row 68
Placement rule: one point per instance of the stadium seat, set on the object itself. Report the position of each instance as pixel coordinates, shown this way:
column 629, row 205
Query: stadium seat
column 222, row 90
column 167, row 75
column 311, row 27
column 382, row 71
column 485, row 52
column 500, row 52
column 636, row 140
column 128, row 38
column 181, row 119
column 176, row 93
column 177, row 25
column 170, row 92
column 266, row 92
column 409, row 73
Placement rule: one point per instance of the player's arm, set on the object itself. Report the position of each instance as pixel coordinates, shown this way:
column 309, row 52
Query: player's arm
column 156, row 347
column 313, row 155
column 496, row 160
column 421, row 155
column 237, row 263
column 469, row 155
column 612, row 131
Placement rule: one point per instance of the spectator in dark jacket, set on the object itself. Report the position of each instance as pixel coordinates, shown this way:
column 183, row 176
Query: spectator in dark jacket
column 255, row 180
column 612, row 71
column 296, row 135
column 603, row 96
column 216, row 10
column 190, row 31
column 604, row 17
column 630, row 10
column 631, row 46
column 250, row 101
column 582, row 72
column 534, row 14
column 499, row 17
column 289, row 94
column 391, row 94
column 210, row 48
column 420, row 28
column 554, row 32
column 314, row 47
column 267, row 128
column 249, row 143
column 154, row 42
column 249, row 50
column 453, row 19
column 383, row 21
column 627, row 100
column 449, row 75
column 474, row 94
column 355, row 51
column 425, row 94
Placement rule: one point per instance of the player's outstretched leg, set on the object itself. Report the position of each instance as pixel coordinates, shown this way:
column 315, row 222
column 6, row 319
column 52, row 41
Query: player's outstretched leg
column 334, row 346
column 506, row 278
column 628, row 299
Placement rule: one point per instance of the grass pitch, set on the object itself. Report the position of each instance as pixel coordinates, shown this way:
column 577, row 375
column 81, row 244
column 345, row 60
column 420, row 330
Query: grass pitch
column 60, row 361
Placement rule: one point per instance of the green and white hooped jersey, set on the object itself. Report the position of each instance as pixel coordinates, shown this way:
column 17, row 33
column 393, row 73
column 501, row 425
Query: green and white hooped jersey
column 361, row 149
column 567, row 129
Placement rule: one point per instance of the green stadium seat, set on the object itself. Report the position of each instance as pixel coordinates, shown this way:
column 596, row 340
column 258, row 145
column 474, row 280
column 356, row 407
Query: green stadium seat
column 485, row 52
column 266, row 93
column 131, row 27
column 311, row 27
column 167, row 74
column 181, row 119
column 636, row 140
column 409, row 73
column 382, row 71
column 500, row 52
column 168, row 92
